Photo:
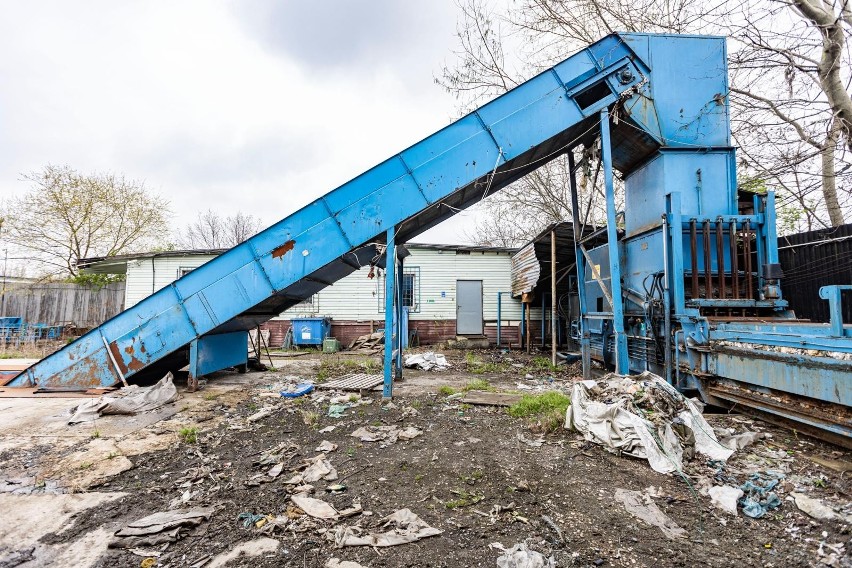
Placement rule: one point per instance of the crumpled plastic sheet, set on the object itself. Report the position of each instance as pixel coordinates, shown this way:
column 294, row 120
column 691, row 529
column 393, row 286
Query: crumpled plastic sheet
column 426, row 361
column 615, row 424
column 131, row 399
column 759, row 496
column 642, row 506
column 519, row 556
column 404, row 525
column 159, row 528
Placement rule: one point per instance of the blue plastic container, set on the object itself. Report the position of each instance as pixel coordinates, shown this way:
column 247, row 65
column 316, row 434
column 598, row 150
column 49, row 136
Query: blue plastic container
column 310, row 331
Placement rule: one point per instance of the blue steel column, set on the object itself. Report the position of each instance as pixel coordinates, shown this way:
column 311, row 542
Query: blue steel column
column 499, row 319
column 771, row 231
column 523, row 324
column 760, row 241
column 390, row 275
column 621, row 361
column 397, row 332
column 581, row 270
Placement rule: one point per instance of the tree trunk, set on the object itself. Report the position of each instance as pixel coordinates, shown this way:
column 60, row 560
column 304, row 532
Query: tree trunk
column 833, row 41
column 829, row 178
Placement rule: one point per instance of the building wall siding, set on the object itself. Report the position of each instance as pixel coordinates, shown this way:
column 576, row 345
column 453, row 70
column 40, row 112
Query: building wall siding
column 356, row 300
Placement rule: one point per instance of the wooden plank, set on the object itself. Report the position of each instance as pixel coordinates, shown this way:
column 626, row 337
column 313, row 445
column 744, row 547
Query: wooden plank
column 491, row 398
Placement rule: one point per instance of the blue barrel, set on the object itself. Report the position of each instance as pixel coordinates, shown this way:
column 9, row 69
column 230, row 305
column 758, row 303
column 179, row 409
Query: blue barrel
column 310, row 331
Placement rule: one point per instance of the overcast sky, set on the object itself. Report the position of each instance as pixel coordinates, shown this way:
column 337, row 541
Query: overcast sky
column 259, row 106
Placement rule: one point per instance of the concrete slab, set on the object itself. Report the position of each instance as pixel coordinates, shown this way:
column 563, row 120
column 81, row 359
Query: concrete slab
column 28, row 518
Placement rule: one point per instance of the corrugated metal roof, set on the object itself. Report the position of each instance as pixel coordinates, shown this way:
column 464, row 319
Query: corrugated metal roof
column 525, row 270
column 531, row 264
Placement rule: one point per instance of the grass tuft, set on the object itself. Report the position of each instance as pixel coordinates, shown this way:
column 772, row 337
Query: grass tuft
column 189, row 435
column 544, row 412
column 446, row 390
column 479, row 385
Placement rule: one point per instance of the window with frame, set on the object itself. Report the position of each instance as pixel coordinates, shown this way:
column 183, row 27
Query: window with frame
column 308, row 305
column 410, row 288
column 184, row 270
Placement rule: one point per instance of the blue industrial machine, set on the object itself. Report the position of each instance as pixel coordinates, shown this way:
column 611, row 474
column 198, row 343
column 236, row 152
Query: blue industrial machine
column 688, row 284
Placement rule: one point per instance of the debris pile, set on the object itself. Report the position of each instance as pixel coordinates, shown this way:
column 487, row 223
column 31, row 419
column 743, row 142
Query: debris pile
column 131, row 399
column 368, row 344
column 642, row 417
column 403, row 527
column 428, row 361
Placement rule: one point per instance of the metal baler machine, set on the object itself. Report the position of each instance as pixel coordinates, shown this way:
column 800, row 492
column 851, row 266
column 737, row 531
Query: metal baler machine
column 688, row 284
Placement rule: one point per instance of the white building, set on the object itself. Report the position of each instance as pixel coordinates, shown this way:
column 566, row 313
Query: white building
column 432, row 278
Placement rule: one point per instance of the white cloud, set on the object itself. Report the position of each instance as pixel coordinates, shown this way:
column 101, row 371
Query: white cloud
column 213, row 109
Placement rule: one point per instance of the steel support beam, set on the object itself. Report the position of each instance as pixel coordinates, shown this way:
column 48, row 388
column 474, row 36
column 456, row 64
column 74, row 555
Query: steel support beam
column 390, row 295
column 581, row 270
column 621, row 359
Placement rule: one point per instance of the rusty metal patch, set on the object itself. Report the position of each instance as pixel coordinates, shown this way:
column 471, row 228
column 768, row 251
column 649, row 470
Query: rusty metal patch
column 278, row 252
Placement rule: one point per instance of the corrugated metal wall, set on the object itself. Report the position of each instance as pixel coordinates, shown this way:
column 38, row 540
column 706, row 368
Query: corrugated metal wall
column 814, row 259
column 57, row 303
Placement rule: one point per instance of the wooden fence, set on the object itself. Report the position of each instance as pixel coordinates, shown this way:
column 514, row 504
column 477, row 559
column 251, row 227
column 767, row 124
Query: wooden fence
column 83, row 306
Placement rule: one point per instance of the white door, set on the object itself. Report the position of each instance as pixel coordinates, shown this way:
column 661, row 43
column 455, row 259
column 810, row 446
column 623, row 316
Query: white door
column 469, row 307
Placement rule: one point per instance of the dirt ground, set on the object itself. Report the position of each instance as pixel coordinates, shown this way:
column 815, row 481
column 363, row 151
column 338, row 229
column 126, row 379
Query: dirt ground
column 475, row 473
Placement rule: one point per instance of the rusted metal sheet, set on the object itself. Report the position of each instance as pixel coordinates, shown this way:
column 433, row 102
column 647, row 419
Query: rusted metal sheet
column 525, row 270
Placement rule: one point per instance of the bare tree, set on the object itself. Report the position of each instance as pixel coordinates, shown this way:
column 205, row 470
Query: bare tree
column 210, row 230
column 790, row 63
column 67, row 216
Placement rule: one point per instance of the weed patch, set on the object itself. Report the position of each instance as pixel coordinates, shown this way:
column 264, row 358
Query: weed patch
column 544, row 412
column 479, row 385
column 189, row 435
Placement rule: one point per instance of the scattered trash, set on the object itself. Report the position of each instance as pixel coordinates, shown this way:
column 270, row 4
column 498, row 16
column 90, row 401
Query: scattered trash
column 759, row 497
column 537, row 443
column 387, row 434
column 405, row 527
column 426, row 361
column 725, row 497
column 315, row 508
column 335, row 563
column 816, row 508
column 643, row 417
column 326, row 446
column 131, row 399
column 250, row 519
column 519, row 556
column 319, row 468
column 275, row 470
column 641, row 506
column 298, row 390
column 159, row 528
column 337, row 410
column 327, row 429
column 740, row 441
column 260, row 414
